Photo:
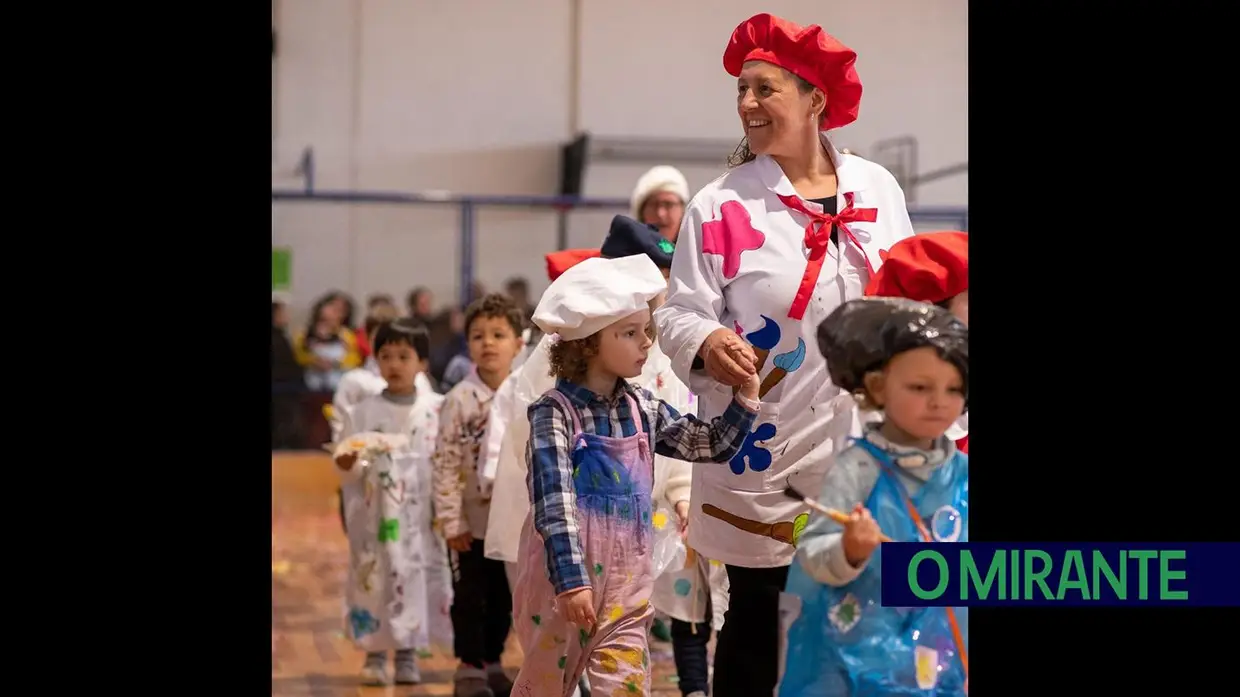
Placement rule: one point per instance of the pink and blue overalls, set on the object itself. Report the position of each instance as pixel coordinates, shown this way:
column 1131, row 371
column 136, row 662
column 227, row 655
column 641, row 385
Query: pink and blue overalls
column 612, row 480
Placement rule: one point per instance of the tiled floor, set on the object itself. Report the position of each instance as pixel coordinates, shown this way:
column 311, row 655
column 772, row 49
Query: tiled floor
column 309, row 655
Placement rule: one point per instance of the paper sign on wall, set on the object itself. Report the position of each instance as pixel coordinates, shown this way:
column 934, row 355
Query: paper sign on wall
column 281, row 268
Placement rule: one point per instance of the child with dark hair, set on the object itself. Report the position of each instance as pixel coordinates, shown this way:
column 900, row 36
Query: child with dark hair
column 482, row 601
column 398, row 592
column 364, row 382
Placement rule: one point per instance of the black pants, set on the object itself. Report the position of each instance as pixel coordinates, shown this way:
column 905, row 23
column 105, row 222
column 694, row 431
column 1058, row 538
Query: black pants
column 481, row 606
column 747, row 653
column 689, row 652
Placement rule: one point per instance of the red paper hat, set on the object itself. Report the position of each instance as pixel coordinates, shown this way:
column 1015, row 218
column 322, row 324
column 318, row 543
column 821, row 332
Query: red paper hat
column 931, row 267
column 807, row 52
column 563, row 260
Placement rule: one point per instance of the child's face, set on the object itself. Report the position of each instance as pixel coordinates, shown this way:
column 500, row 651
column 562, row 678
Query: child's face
column 959, row 306
column 398, row 364
column 920, row 393
column 493, row 344
column 624, row 345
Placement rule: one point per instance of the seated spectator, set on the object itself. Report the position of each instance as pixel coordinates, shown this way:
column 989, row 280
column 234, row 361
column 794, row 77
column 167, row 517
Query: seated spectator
column 286, row 382
column 420, row 305
column 447, row 343
column 328, row 347
column 378, row 301
column 518, row 289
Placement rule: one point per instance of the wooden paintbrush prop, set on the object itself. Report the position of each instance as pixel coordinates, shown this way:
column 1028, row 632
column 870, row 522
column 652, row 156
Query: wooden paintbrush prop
column 838, row 516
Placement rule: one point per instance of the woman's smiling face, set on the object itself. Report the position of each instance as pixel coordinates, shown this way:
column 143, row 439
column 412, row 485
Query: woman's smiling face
column 776, row 108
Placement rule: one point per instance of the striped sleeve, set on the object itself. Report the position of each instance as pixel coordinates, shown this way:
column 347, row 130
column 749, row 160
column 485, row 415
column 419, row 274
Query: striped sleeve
column 548, row 455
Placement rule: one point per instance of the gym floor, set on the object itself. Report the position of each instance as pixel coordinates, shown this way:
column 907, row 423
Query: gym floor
column 309, row 655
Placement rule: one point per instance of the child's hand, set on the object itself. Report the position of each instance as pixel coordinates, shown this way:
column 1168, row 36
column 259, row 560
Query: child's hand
column 861, row 536
column 749, row 389
column 461, row 543
column 345, row 461
column 682, row 513
column 578, row 607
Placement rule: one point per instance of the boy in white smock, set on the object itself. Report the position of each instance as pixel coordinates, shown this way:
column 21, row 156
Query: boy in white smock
column 398, row 589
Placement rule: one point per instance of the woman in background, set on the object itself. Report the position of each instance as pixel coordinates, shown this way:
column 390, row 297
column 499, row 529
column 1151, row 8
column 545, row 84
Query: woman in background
column 328, row 347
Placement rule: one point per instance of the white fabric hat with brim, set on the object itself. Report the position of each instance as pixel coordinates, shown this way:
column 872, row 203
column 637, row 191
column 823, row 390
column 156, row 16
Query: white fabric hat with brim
column 596, row 293
column 656, row 179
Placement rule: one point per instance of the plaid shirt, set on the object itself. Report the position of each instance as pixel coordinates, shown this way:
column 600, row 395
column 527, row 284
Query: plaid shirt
column 550, row 465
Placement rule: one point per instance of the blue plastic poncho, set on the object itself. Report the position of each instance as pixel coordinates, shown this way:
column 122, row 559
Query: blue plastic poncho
column 844, row 643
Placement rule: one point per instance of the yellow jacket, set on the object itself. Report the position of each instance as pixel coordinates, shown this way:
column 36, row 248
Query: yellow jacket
column 352, row 356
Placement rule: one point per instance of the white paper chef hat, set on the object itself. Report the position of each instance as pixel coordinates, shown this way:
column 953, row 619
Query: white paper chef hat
column 597, row 292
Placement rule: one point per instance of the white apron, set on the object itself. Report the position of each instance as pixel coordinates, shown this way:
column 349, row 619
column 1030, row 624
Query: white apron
column 399, row 588
column 680, row 591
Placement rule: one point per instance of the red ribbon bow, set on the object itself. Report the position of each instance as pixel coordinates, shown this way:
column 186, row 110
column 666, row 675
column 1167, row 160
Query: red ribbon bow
column 818, row 236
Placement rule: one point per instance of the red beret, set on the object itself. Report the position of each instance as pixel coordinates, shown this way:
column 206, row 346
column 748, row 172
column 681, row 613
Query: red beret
column 807, row 52
column 561, row 261
column 930, row 267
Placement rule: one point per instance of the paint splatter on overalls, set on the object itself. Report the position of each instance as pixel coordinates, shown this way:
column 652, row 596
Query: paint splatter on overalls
column 612, row 480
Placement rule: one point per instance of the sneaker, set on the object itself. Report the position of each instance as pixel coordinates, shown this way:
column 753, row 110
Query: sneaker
column 498, row 681
column 407, row 672
column 374, row 672
column 470, row 682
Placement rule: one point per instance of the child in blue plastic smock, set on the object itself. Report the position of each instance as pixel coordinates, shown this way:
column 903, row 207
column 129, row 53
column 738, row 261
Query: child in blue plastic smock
column 903, row 478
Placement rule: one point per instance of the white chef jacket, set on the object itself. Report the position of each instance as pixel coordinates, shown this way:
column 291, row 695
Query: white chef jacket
column 739, row 267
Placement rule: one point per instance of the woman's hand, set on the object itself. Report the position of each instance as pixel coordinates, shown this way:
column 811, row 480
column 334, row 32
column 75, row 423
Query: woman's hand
column 728, row 358
column 578, row 607
column 861, row 536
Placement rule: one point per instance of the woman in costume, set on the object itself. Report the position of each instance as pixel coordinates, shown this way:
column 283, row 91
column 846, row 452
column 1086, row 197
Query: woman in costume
column 765, row 252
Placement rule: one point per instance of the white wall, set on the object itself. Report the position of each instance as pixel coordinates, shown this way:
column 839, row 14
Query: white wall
column 476, row 96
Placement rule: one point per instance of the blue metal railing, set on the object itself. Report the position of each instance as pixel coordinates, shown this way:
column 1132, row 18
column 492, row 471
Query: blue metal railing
column 950, row 217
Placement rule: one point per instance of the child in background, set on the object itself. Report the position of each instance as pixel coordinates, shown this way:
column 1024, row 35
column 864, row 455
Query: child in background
column 378, row 303
column 586, row 545
column 398, row 590
column 482, row 605
column 932, row 267
column 903, row 478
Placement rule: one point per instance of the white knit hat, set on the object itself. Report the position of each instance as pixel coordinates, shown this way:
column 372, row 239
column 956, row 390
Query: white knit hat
column 596, row 293
column 660, row 178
